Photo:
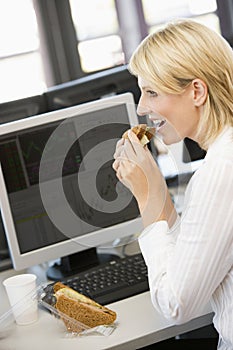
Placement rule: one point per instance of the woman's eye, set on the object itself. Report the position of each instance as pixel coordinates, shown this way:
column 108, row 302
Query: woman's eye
column 152, row 93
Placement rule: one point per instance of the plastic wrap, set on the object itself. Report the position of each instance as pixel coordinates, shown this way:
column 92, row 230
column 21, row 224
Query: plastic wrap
column 46, row 300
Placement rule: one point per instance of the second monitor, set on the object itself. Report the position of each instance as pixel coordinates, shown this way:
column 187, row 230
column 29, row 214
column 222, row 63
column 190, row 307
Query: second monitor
column 114, row 81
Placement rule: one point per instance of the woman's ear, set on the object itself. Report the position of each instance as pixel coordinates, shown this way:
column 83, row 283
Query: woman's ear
column 200, row 92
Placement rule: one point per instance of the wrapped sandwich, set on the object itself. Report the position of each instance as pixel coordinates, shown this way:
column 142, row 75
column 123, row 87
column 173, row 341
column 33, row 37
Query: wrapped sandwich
column 80, row 309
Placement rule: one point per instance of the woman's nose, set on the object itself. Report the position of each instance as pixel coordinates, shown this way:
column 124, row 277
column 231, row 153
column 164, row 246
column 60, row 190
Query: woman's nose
column 142, row 110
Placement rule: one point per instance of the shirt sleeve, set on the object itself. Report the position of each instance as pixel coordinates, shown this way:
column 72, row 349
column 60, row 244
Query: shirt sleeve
column 188, row 262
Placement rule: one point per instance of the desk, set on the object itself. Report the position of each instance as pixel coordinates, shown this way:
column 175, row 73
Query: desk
column 138, row 325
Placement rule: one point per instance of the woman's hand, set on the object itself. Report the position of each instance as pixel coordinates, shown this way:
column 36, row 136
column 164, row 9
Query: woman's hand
column 137, row 170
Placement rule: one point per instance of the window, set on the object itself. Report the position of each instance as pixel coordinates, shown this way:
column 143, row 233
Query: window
column 21, row 70
column 98, row 42
column 157, row 13
column 45, row 43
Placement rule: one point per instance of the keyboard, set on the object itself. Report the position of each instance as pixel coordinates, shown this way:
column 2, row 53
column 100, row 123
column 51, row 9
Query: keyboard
column 112, row 281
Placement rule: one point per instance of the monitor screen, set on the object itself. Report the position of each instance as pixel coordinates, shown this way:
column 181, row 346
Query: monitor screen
column 59, row 194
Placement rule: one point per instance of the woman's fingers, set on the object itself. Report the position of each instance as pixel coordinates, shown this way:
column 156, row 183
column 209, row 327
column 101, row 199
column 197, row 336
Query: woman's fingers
column 116, row 164
column 119, row 147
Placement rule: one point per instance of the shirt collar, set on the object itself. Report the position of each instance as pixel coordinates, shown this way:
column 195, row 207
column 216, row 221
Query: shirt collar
column 222, row 143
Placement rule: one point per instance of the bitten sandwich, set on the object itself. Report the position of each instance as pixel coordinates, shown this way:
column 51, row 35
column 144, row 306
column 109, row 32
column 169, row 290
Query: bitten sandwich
column 144, row 133
column 80, row 308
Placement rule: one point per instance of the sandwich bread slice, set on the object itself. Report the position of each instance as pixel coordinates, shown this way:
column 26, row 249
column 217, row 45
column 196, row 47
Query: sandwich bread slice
column 80, row 308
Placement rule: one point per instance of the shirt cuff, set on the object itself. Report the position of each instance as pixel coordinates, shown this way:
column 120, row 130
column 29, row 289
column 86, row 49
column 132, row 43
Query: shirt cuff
column 158, row 238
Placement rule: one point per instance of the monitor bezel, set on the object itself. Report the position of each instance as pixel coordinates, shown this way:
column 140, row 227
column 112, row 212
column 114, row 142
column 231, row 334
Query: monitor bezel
column 97, row 238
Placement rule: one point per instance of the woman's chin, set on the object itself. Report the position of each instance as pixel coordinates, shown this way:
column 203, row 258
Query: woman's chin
column 169, row 134
column 170, row 138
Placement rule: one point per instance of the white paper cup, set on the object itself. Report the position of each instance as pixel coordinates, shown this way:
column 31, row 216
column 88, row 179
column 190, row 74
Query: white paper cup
column 20, row 289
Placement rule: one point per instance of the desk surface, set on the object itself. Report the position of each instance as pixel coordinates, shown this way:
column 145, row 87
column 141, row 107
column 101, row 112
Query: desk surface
column 138, row 325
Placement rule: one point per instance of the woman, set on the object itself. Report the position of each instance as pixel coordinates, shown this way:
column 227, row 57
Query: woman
column 185, row 74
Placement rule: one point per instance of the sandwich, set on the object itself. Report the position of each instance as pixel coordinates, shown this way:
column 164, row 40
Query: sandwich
column 81, row 310
column 144, row 133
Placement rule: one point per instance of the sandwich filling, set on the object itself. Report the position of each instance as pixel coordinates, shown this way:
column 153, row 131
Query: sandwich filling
column 75, row 296
column 144, row 140
column 148, row 134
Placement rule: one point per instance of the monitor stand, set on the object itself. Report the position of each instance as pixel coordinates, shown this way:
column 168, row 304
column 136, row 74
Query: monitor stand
column 76, row 263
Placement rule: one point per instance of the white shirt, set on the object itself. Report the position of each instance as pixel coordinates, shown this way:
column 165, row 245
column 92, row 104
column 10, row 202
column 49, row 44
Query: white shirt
column 192, row 263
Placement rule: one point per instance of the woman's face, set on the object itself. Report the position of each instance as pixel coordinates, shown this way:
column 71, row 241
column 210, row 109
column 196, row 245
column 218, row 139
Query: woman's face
column 178, row 114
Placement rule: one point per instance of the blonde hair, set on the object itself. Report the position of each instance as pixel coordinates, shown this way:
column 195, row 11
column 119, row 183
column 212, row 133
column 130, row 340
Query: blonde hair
column 180, row 52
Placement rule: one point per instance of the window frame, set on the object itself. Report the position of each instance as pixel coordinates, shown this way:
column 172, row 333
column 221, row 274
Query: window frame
column 58, row 40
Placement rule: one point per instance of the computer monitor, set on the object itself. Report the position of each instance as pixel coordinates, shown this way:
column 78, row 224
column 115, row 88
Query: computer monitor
column 22, row 108
column 110, row 82
column 58, row 192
